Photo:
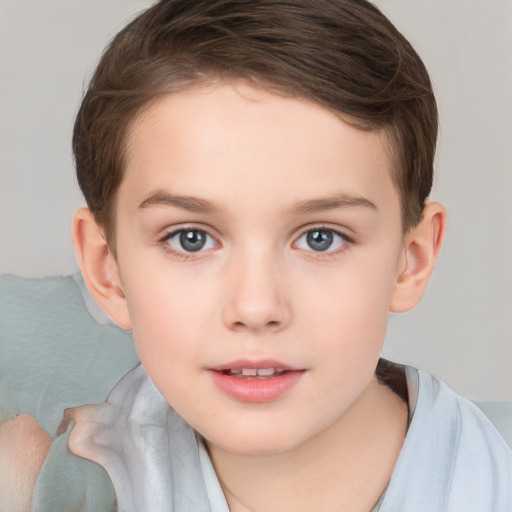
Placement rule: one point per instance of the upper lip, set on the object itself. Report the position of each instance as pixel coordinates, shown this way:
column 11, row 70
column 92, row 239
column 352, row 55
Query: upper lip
column 254, row 364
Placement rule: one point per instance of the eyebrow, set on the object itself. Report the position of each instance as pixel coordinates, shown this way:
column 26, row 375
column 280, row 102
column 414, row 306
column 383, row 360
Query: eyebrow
column 188, row 203
column 308, row 206
column 332, row 203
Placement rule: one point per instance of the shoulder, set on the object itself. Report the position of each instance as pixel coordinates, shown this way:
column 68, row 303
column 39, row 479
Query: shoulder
column 453, row 458
column 149, row 452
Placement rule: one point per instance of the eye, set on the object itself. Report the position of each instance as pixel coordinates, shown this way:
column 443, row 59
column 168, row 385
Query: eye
column 321, row 240
column 190, row 240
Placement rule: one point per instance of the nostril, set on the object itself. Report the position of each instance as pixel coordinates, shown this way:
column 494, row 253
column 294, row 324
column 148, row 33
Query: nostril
column 272, row 324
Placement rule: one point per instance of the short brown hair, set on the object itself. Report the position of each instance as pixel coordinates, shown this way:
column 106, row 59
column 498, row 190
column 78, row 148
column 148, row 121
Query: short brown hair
column 342, row 54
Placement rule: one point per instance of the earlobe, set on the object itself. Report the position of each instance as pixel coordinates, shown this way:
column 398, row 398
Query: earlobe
column 421, row 249
column 99, row 267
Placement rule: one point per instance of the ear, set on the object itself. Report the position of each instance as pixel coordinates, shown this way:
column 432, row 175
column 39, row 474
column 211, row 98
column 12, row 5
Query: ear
column 421, row 248
column 99, row 267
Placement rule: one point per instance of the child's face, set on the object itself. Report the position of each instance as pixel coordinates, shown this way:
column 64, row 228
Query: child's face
column 256, row 231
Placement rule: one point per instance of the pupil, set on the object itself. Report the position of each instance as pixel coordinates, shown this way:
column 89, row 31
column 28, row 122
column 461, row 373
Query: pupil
column 319, row 240
column 192, row 241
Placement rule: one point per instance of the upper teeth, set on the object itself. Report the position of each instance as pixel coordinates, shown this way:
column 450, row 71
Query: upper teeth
column 252, row 372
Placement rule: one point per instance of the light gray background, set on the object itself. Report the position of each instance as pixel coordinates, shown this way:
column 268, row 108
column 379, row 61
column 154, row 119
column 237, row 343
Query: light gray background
column 462, row 331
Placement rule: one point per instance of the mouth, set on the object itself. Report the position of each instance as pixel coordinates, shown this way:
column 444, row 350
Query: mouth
column 254, row 373
column 256, row 382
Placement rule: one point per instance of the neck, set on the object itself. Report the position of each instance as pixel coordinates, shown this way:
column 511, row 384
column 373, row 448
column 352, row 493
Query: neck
column 345, row 467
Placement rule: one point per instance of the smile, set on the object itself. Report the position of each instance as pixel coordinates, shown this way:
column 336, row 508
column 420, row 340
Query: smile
column 253, row 372
column 255, row 382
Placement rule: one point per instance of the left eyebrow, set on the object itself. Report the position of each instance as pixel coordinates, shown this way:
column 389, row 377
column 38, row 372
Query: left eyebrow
column 332, row 203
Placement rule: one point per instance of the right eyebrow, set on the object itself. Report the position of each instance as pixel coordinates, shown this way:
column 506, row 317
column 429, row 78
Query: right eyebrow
column 189, row 203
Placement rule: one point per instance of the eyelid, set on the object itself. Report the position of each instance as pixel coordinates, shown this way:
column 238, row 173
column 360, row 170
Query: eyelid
column 323, row 227
column 172, row 231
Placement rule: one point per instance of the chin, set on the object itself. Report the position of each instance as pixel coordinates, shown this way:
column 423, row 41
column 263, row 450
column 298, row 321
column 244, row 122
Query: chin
column 258, row 442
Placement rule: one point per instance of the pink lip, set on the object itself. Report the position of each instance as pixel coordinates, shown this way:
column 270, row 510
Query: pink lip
column 255, row 390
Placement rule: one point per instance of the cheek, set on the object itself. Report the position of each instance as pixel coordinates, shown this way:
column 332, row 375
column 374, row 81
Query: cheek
column 354, row 297
column 168, row 314
column 348, row 314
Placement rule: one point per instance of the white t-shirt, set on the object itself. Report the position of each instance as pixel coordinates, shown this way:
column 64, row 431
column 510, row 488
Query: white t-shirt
column 452, row 460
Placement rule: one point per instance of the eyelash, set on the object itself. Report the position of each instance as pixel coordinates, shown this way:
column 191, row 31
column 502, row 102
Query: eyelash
column 328, row 253
column 183, row 255
column 164, row 242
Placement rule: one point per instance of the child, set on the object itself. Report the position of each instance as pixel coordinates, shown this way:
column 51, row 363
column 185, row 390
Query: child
column 257, row 175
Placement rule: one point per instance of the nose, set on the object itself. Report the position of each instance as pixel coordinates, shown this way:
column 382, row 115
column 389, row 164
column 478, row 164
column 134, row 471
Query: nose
column 257, row 298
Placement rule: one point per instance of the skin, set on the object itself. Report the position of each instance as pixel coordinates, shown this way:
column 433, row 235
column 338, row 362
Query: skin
column 24, row 446
column 263, row 172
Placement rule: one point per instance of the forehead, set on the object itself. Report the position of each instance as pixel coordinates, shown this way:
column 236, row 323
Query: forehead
column 235, row 141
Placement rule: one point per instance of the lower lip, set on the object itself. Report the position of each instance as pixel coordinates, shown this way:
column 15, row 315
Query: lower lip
column 254, row 390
